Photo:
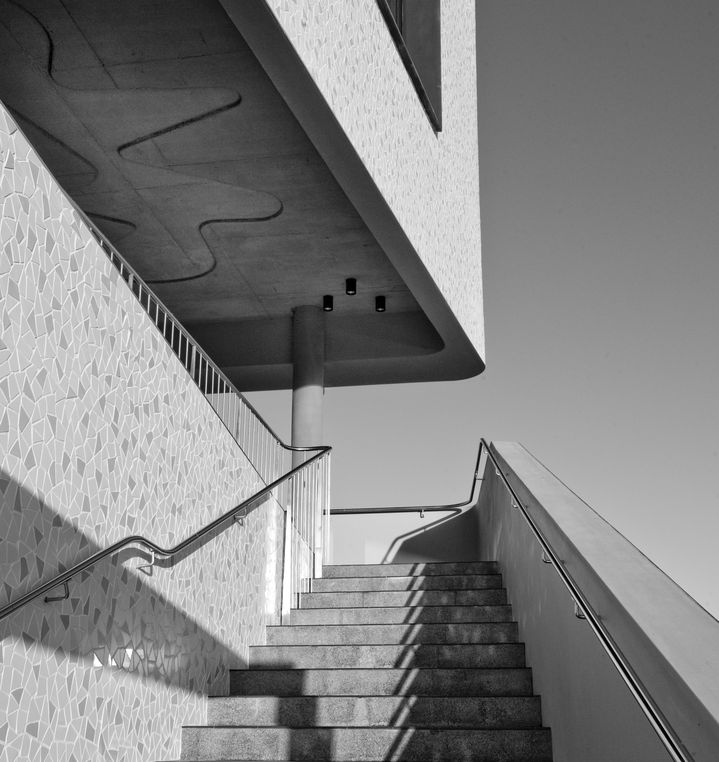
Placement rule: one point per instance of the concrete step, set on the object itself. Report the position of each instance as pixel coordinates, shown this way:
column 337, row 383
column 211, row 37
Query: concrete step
column 402, row 615
column 488, row 632
column 410, row 656
column 432, row 582
column 492, row 597
column 361, row 744
column 381, row 682
column 376, row 711
column 403, row 570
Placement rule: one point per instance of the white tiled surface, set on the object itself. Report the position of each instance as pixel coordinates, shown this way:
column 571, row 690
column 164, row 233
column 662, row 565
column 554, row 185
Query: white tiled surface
column 103, row 434
column 430, row 182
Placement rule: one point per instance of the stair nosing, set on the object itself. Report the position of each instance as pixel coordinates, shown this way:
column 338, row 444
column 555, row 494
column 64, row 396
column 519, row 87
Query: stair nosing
column 390, row 645
column 419, row 605
column 374, row 624
column 414, row 576
column 371, row 669
column 424, row 606
column 381, row 695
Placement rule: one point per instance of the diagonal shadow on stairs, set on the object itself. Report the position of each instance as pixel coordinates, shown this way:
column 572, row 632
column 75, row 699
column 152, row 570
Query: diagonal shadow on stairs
column 459, row 627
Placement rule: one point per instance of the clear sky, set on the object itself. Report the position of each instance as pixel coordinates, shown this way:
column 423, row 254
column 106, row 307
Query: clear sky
column 599, row 181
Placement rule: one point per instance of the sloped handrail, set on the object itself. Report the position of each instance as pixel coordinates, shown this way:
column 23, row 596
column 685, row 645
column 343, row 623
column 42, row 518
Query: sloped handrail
column 422, row 509
column 649, row 707
column 306, row 537
column 261, row 445
column 205, row 532
column 584, row 610
column 252, row 433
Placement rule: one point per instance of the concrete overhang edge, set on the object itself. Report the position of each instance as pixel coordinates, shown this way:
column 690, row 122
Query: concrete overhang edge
column 275, row 52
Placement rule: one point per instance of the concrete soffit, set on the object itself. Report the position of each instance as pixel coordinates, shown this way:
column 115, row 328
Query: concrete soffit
column 195, row 138
column 458, row 358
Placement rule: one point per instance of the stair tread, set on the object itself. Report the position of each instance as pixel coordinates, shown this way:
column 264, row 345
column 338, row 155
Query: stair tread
column 385, row 634
column 408, row 582
column 416, row 661
column 426, row 568
column 514, row 681
column 403, row 656
column 404, row 598
column 401, row 614
column 340, row 743
column 376, row 711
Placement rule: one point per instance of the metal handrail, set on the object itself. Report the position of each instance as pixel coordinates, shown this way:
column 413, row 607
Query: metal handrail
column 154, row 304
column 214, row 383
column 659, row 723
column 228, row 517
column 177, row 332
column 667, row 734
column 421, row 509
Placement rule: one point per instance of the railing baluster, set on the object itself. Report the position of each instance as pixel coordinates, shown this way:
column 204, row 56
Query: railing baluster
column 226, row 405
column 304, row 495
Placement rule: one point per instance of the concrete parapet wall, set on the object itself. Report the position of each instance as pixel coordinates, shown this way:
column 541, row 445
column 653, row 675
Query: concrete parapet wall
column 667, row 638
column 404, row 537
column 103, row 435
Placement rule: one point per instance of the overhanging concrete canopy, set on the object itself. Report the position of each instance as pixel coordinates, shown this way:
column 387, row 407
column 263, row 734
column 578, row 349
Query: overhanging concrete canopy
column 199, row 144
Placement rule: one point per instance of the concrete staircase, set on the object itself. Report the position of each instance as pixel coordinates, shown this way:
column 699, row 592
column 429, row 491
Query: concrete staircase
column 385, row 662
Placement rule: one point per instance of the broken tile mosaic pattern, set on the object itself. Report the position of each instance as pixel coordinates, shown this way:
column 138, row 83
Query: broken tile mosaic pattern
column 104, row 435
column 429, row 181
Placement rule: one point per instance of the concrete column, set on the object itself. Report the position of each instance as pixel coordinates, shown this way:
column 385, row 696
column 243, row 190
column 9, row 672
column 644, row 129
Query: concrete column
column 308, row 377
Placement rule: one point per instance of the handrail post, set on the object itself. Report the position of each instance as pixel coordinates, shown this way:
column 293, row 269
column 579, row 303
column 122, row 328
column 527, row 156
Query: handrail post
column 287, row 560
column 318, row 515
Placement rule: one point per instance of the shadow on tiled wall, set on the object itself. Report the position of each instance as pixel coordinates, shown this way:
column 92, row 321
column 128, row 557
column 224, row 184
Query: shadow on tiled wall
column 134, row 619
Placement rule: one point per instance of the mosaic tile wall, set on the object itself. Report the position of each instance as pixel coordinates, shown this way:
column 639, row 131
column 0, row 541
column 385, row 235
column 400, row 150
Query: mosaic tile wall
column 102, row 434
column 429, row 181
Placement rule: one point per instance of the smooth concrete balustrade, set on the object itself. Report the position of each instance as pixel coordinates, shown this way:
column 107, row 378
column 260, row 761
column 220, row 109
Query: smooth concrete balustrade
column 671, row 643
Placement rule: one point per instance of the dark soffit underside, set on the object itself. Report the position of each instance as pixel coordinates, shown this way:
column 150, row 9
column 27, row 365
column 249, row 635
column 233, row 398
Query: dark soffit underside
column 161, row 123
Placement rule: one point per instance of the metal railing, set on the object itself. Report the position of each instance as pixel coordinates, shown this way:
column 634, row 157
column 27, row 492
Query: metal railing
column 301, row 488
column 304, row 495
column 422, row 509
column 264, row 449
column 583, row 608
column 297, row 519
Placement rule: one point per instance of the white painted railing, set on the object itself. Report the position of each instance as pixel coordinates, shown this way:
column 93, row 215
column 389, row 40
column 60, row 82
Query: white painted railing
column 297, row 477
column 303, row 487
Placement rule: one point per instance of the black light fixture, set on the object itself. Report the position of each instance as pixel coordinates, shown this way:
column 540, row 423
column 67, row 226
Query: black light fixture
column 379, row 304
column 351, row 286
column 328, row 303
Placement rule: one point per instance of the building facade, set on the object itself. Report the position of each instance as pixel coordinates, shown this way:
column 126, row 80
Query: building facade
column 246, row 158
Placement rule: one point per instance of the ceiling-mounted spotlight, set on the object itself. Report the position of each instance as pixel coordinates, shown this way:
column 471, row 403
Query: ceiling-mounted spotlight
column 380, row 304
column 351, row 286
column 328, row 303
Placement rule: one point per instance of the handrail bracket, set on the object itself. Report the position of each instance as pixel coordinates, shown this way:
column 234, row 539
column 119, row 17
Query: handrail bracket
column 63, row 597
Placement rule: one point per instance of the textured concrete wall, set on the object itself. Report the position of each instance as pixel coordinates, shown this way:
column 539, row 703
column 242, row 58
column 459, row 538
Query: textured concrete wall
column 430, row 181
column 102, row 435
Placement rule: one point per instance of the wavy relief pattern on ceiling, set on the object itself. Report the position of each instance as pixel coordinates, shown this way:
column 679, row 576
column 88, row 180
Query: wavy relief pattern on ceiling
column 101, row 145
